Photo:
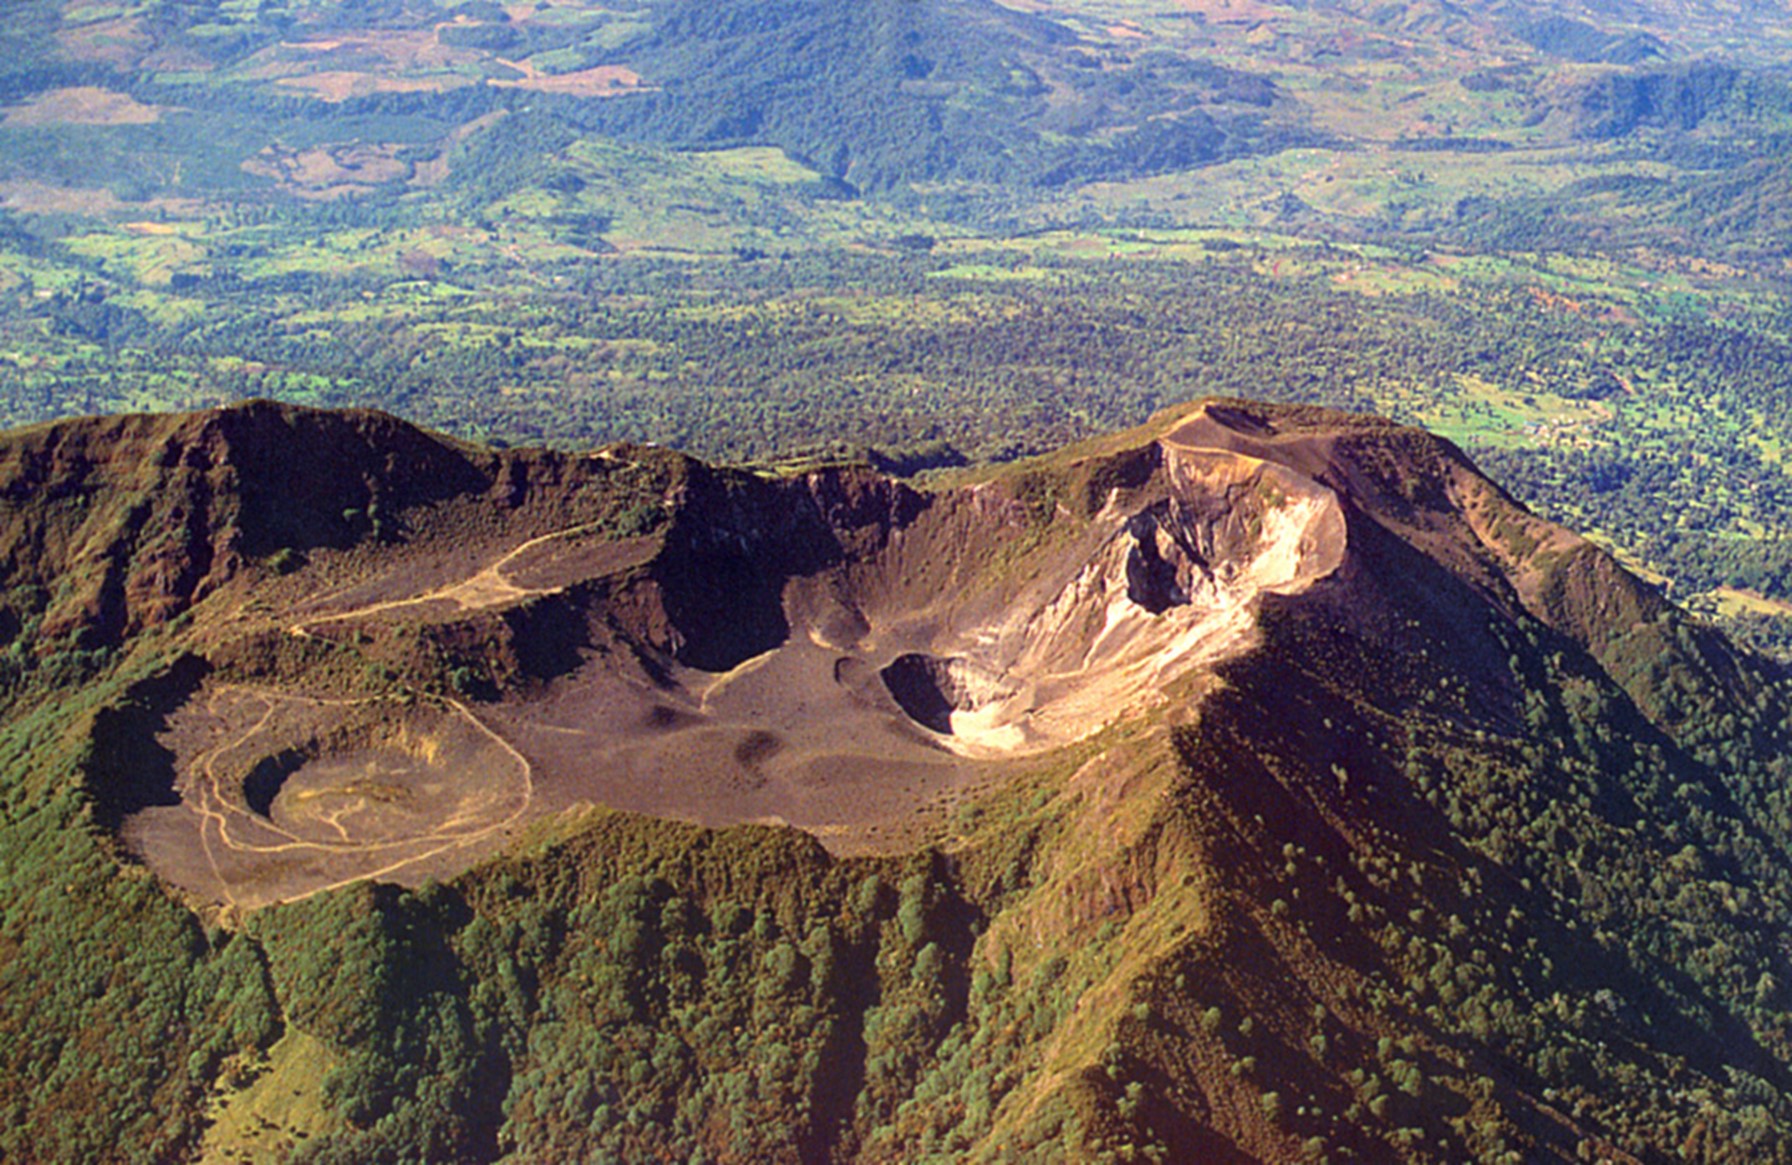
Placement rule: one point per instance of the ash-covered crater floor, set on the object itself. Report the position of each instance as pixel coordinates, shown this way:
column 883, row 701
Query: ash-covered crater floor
column 836, row 652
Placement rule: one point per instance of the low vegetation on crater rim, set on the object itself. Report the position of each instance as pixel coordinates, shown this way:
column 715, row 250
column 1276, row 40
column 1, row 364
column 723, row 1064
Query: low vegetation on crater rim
column 1261, row 784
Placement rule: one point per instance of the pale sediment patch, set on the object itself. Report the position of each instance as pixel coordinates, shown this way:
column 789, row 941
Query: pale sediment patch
column 1173, row 588
column 82, row 105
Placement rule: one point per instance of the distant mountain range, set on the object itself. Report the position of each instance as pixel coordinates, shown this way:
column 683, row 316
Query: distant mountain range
column 966, row 105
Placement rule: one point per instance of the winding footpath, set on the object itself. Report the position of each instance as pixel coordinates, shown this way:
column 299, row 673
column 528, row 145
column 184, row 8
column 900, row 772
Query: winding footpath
column 217, row 812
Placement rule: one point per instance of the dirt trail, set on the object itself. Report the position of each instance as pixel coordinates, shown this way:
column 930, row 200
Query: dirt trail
column 488, row 588
column 239, row 842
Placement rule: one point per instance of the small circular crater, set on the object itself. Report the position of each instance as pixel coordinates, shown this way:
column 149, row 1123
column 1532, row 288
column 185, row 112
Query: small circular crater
column 930, row 689
column 268, row 776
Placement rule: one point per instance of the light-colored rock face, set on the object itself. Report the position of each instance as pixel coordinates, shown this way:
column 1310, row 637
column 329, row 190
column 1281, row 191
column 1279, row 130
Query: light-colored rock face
column 1172, row 586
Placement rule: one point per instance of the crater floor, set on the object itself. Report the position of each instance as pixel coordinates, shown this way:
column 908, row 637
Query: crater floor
column 885, row 694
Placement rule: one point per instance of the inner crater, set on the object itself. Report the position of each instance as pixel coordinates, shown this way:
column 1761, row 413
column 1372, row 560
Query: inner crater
column 930, row 689
column 289, row 793
column 263, row 782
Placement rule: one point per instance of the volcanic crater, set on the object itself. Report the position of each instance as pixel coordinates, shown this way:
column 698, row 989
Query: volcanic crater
column 833, row 650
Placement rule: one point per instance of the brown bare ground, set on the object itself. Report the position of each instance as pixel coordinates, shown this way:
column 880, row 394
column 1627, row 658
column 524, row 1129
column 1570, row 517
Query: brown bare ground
column 602, row 81
column 358, row 64
column 286, row 795
column 329, row 171
column 403, row 48
column 341, row 86
column 120, row 43
column 83, row 105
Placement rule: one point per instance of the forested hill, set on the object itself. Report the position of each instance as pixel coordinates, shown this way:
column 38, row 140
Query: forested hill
column 875, row 95
column 884, row 94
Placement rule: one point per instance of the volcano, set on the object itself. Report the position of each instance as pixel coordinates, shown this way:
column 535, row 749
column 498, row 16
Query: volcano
column 1262, row 783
